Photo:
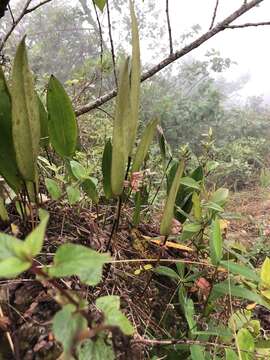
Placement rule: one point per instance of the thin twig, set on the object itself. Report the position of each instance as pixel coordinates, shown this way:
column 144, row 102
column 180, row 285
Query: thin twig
column 176, row 55
column 9, row 338
column 11, row 14
column 214, row 15
column 101, row 47
column 169, row 27
column 240, row 26
column 37, row 6
column 111, row 42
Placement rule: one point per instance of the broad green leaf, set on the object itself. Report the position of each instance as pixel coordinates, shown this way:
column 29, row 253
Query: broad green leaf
column 189, row 182
column 120, row 146
column 220, row 196
column 43, row 118
column 11, row 247
column 242, row 270
column 8, row 165
column 3, row 211
column 192, row 228
column 62, row 122
column 90, row 188
column 213, row 206
column 265, row 272
column 231, row 355
column 106, row 169
column 144, row 144
column 166, row 271
column 168, row 213
column 34, row 241
column 53, row 188
column 71, row 259
column 110, row 306
column 246, row 344
column 100, row 4
column 67, row 325
column 215, row 242
column 13, row 266
column 135, row 81
column 197, row 352
column 73, row 194
column 25, row 116
column 96, row 349
column 78, row 170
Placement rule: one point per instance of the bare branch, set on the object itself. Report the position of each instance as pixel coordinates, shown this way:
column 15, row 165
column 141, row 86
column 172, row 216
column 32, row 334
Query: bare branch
column 176, row 55
column 111, row 42
column 214, row 15
column 241, row 26
column 169, row 27
column 37, row 6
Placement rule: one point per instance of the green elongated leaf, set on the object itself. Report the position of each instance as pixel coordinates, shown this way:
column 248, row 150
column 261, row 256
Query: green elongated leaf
column 34, row 241
column 100, row 4
column 189, row 182
column 67, row 325
column 8, row 165
column 144, row 145
column 189, row 314
column 215, row 242
column 90, row 188
column 242, row 270
column 43, row 118
column 3, row 211
column 265, row 272
column 120, row 131
column 135, row 81
column 246, row 344
column 197, row 352
column 62, row 122
column 25, row 116
column 53, row 188
column 110, row 306
column 13, row 266
column 192, row 228
column 213, row 206
column 78, row 260
column 95, row 350
column 220, row 196
column 166, row 271
column 73, row 194
column 165, row 226
column 230, row 354
column 78, row 170
column 197, row 210
column 106, row 169
column 137, row 210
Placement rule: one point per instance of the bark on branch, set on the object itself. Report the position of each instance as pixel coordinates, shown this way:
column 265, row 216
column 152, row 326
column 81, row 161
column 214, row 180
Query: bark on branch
column 176, row 55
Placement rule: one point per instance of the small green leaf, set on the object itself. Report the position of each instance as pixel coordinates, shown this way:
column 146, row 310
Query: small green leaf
column 265, row 272
column 189, row 182
column 230, row 354
column 12, row 267
column 213, row 206
column 166, row 271
column 106, row 169
column 90, row 188
column 220, row 196
column 189, row 314
column 78, row 170
column 242, row 270
column 246, row 344
column 215, row 242
column 34, row 241
column 192, row 228
column 73, row 194
column 67, row 325
column 144, row 145
column 197, row 210
column 239, row 319
column 110, row 306
column 62, row 122
column 78, row 260
column 197, row 352
column 100, row 4
column 25, row 115
column 95, row 350
column 53, row 188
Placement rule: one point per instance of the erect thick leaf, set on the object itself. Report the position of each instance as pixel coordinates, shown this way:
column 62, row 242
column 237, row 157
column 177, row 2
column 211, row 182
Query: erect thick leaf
column 110, row 306
column 144, row 144
column 106, row 169
column 8, row 164
column 246, row 344
column 95, row 350
column 100, row 4
column 215, row 242
column 25, row 116
column 34, row 241
column 43, row 118
column 135, row 81
column 62, row 122
column 242, row 270
column 168, row 213
column 67, row 325
column 265, row 272
column 78, row 260
column 90, row 188
column 120, row 140
column 220, row 196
